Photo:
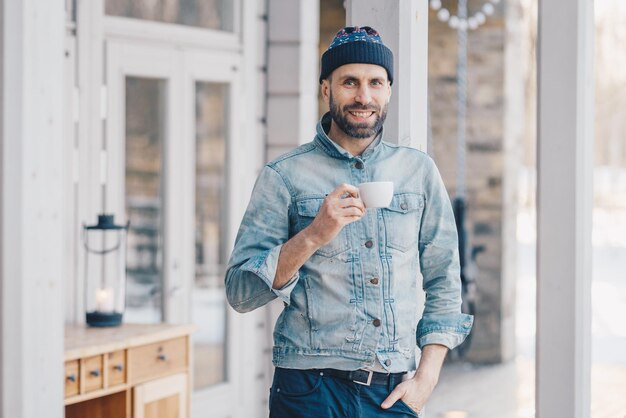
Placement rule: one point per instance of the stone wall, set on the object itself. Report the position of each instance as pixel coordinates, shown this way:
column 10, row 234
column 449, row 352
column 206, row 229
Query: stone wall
column 491, row 208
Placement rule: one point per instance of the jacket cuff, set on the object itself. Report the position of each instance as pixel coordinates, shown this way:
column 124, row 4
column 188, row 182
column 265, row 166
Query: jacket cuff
column 264, row 265
column 449, row 330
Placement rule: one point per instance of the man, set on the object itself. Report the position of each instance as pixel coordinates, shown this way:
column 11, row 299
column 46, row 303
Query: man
column 347, row 275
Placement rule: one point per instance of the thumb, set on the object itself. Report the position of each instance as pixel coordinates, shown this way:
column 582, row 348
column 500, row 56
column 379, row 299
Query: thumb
column 396, row 394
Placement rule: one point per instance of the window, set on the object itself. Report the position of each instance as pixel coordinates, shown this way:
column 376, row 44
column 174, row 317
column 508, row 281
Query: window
column 145, row 133
column 209, row 304
column 207, row 14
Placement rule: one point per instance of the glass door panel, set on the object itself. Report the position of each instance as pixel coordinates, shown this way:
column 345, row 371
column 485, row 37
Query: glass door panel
column 144, row 201
column 208, row 14
column 208, row 296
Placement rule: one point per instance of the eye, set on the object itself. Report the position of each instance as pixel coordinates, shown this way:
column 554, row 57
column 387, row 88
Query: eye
column 377, row 83
column 349, row 82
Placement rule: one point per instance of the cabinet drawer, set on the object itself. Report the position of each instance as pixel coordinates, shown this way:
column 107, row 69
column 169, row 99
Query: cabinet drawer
column 117, row 367
column 157, row 359
column 71, row 378
column 91, row 373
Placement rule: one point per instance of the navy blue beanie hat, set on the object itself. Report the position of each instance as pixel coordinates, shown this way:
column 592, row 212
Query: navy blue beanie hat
column 356, row 45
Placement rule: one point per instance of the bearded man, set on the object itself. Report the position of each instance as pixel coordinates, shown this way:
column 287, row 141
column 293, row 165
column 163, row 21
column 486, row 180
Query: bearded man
column 362, row 333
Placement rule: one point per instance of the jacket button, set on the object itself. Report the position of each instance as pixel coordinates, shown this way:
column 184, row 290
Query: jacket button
column 387, row 362
column 358, row 165
column 374, row 280
column 369, row 244
column 376, row 322
column 404, row 206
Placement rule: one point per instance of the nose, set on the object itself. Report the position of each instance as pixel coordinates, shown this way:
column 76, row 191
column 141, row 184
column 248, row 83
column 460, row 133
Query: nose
column 363, row 96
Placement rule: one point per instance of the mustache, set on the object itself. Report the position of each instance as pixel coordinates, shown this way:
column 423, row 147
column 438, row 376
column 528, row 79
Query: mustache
column 361, row 107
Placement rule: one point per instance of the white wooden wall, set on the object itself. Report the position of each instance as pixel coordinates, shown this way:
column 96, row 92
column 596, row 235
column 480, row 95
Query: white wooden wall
column 293, row 71
column 32, row 169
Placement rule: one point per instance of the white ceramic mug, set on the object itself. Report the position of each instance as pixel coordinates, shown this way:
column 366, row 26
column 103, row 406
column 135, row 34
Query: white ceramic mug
column 376, row 194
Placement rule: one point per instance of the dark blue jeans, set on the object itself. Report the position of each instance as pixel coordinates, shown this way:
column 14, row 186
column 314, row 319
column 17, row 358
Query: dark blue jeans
column 311, row 394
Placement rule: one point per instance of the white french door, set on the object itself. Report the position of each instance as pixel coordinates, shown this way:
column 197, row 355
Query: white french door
column 173, row 163
column 143, row 120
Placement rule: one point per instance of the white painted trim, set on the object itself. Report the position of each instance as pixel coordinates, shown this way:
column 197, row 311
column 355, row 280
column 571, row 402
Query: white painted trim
column 71, row 224
column 158, row 33
column 564, row 194
column 31, row 308
column 89, row 53
column 2, row 210
column 403, row 25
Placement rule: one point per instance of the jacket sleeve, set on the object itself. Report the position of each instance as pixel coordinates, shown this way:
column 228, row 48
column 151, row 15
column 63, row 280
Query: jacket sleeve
column 442, row 321
column 264, row 229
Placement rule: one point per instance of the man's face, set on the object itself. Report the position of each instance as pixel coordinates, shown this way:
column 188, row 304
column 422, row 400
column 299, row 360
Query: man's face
column 358, row 96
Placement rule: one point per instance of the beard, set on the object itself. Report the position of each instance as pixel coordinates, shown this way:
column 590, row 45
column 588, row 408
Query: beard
column 358, row 130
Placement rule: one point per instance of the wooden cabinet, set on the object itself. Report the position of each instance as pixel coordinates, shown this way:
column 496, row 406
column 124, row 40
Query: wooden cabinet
column 162, row 398
column 91, row 376
column 132, row 371
column 158, row 359
column 116, row 367
column 71, row 378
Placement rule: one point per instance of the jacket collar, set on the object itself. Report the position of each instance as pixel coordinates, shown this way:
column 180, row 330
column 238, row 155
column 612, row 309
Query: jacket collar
column 335, row 150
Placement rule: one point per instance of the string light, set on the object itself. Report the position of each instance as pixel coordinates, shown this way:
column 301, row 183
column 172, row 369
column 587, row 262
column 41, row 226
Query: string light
column 454, row 22
column 473, row 22
column 443, row 14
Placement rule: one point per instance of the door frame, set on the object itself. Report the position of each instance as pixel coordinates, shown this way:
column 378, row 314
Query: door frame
column 181, row 69
column 213, row 67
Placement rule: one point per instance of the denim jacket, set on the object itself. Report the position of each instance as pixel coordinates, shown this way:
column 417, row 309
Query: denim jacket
column 358, row 298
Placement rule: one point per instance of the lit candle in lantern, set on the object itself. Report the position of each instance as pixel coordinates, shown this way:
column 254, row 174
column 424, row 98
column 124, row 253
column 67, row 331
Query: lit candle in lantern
column 104, row 300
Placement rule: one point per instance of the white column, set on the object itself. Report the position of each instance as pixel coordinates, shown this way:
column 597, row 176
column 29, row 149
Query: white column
column 293, row 71
column 403, row 25
column 564, row 194
column 256, row 375
column 31, row 171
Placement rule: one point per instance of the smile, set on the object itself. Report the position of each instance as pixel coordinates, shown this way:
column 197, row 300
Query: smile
column 361, row 114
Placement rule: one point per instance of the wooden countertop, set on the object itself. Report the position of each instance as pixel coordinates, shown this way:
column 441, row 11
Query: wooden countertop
column 84, row 341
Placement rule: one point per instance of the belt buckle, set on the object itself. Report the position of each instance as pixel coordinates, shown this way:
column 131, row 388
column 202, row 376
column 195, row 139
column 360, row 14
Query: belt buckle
column 370, row 373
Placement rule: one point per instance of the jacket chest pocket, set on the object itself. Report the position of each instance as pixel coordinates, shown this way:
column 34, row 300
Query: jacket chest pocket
column 307, row 211
column 402, row 220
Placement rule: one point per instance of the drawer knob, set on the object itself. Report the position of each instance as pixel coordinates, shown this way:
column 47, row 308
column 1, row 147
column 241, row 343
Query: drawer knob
column 71, row 377
column 118, row 367
column 162, row 357
column 95, row 373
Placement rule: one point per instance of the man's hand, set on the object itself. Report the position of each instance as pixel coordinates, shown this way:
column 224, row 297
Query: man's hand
column 413, row 392
column 416, row 391
column 336, row 212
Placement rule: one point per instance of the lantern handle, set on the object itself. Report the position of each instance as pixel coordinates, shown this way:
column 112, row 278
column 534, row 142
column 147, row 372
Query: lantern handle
column 99, row 252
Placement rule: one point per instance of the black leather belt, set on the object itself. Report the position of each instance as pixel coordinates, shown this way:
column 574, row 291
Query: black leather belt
column 364, row 377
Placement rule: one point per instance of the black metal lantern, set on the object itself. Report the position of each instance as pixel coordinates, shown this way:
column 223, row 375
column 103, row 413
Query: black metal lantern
column 105, row 272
